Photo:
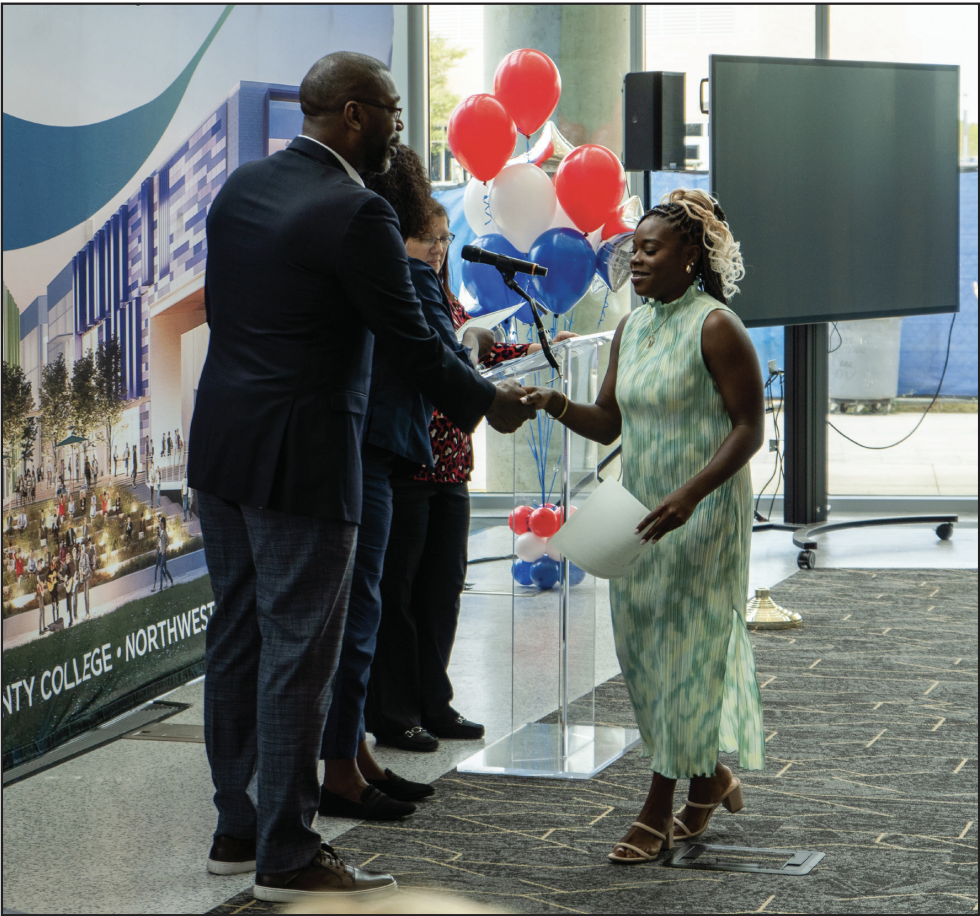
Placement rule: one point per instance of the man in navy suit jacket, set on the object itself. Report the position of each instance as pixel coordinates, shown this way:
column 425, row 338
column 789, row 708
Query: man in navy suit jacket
column 306, row 273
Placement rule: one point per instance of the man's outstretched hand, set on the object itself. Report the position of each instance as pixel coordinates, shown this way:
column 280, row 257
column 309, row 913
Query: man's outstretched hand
column 507, row 414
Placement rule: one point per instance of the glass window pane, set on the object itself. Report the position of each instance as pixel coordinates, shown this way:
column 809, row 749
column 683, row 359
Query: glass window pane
column 680, row 38
column 455, row 72
column 940, row 459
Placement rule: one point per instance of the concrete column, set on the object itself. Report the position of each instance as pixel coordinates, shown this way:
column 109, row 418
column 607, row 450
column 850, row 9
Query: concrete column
column 590, row 44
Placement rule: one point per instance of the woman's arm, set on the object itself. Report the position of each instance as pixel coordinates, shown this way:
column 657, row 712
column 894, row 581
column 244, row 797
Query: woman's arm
column 558, row 338
column 602, row 421
column 732, row 361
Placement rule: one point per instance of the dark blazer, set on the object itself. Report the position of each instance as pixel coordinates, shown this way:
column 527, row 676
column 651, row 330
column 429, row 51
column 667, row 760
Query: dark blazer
column 306, row 273
column 399, row 414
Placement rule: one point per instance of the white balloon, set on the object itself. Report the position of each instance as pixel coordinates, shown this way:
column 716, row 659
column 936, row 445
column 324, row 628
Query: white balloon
column 475, row 207
column 551, row 552
column 529, row 547
column 562, row 220
column 522, row 203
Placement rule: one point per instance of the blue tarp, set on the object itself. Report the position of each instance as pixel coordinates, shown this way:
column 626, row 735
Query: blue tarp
column 923, row 336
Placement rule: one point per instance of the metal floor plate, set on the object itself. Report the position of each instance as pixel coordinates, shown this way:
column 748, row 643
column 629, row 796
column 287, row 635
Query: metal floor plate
column 796, row 862
column 111, row 731
column 169, row 731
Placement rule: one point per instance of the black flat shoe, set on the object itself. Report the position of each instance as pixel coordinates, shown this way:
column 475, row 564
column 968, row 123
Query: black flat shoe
column 402, row 789
column 415, row 739
column 457, row 728
column 373, row 806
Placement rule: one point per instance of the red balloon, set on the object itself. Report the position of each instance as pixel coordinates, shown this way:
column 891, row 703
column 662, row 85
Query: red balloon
column 543, row 522
column 517, row 520
column 616, row 224
column 590, row 183
column 528, row 85
column 482, row 135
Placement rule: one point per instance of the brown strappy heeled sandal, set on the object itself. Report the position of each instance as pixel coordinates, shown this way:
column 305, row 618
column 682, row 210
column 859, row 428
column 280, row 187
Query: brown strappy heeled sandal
column 641, row 854
column 732, row 800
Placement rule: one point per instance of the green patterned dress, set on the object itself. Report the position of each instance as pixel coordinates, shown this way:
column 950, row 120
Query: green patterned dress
column 679, row 616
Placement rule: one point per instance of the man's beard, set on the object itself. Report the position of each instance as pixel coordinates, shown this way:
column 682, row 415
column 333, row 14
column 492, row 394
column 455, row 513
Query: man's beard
column 381, row 164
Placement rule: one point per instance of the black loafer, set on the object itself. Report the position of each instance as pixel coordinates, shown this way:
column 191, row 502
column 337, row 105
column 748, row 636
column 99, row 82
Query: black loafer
column 373, row 806
column 402, row 789
column 457, row 728
column 415, row 739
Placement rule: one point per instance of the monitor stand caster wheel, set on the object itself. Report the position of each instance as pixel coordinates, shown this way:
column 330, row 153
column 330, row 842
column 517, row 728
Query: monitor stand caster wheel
column 806, row 559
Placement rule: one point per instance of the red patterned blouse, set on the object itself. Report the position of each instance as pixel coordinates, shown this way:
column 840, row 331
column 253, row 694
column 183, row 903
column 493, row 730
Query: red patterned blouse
column 452, row 449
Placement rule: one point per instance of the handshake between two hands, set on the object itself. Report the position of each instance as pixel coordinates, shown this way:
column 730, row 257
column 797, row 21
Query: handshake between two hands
column 512, row 405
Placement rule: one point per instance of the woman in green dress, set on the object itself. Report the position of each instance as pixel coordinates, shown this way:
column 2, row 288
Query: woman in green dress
column 684, row 390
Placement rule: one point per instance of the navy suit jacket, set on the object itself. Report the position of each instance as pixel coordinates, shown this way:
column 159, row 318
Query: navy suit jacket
column 306, row 274
column 399, row 414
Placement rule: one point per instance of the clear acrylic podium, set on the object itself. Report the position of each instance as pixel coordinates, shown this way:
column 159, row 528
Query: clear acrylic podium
column 553, row 631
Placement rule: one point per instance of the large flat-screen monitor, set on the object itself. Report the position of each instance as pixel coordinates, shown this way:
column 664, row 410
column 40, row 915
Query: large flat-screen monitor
column 841, row 181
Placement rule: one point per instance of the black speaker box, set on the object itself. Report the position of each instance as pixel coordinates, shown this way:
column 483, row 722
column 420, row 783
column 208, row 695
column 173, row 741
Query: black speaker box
column 654, row 121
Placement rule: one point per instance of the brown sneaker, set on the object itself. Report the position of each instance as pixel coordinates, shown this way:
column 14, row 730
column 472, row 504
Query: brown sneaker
column 327, row 876
column 230, row 856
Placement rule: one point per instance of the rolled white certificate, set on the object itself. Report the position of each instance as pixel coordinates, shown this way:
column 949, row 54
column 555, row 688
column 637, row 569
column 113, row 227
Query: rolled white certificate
column 600, row 536
column 488, row 321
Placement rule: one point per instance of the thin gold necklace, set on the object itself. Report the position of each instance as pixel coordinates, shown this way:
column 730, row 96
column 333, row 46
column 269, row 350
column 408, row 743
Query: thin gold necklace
column 653, row 332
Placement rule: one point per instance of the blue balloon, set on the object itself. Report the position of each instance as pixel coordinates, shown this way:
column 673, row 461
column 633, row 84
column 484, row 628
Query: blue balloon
column 575, row 574
column 525, row 314
column 483, row 281
column 521, row 572
column 545, row 572
column 571, row 266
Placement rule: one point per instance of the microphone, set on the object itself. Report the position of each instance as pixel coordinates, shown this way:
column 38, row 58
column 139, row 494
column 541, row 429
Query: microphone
column 501, row 261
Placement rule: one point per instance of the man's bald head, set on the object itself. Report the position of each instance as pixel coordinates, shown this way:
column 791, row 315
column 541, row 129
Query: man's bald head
column 339, row 78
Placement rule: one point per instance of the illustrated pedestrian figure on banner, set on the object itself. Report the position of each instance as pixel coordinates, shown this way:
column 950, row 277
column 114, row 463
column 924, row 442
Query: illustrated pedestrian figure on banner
column 126, row 461
column 134, row 465
column 115, row 461
column 170, row 446
column 85, row 575
column 40, row 591
column 70, row 576
column 163, row 544
column 53, row 580
column 184, row 495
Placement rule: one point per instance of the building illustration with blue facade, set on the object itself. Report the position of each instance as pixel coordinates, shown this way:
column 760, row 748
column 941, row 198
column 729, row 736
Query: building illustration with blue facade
column 140, row 278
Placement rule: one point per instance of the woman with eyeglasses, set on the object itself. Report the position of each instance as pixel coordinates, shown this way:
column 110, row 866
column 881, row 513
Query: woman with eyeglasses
column 396, row 442
column 410, row 694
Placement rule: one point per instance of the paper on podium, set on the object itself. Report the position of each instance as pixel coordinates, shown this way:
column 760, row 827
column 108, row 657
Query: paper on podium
column 488, row 321
column 600, row 536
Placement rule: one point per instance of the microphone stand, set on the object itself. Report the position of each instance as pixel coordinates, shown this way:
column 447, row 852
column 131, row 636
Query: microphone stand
column 508, row 278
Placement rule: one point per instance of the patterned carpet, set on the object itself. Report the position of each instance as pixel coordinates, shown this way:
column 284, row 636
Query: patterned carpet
column 871, row 724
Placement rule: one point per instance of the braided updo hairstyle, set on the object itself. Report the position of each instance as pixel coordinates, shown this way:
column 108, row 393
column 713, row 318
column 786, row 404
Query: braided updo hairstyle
column 699, row 219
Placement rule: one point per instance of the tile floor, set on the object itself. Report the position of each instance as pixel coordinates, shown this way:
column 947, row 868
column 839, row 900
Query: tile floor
column 126, row 828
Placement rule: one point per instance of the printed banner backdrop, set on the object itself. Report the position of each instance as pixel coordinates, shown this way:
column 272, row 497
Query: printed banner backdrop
column 120, row 125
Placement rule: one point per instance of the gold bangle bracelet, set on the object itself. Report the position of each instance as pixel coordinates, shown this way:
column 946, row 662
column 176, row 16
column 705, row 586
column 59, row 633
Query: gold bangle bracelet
column 565, row 408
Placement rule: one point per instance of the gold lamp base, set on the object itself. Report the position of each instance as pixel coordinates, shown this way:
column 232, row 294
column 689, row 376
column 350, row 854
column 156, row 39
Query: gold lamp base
column 762, row 613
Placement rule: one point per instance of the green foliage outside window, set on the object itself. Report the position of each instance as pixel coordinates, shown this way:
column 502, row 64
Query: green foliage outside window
column 443, row 56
